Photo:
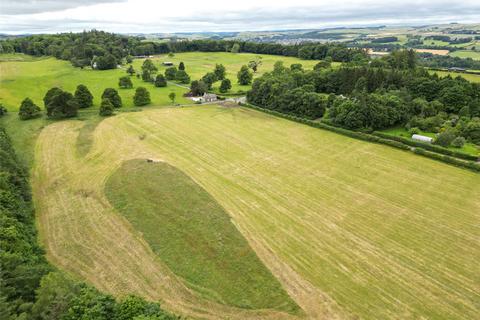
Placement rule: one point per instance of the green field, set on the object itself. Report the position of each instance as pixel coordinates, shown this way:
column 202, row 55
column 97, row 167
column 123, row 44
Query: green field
column 467, row 76
column 469, row 148
column 350, row 229
column 23, row 76
column 193, row 235
column 466, row 54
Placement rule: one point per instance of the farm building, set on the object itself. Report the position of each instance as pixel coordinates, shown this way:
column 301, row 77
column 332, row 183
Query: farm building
column 456, row 69
column 209, row 97
column 421, row 138
column 167, row 63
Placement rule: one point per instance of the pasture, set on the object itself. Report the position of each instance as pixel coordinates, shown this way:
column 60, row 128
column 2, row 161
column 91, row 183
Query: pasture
column 348, row 228
column 467, row 76
column 466, row 54
column 23, row 76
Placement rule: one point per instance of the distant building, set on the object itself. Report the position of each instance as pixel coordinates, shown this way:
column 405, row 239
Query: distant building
column 209, row 97
column 456, row 69
column 167, row 63
column 421, row 138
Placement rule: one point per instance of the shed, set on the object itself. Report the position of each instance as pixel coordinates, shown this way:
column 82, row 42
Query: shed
column 421, row 138
column 167, row 63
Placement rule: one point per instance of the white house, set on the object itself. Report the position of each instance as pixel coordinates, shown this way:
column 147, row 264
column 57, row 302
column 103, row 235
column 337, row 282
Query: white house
column 421, row 138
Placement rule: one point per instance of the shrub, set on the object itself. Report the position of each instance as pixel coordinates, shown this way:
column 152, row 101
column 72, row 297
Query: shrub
column 125, row 82
column 445, row 138
column 83, row 96
column 106, row 107
column 113, row 96
column 458, row 142
column 181, row 66
column 28, row 110
column 3, row 110
column 141, row 97
column 413, row 131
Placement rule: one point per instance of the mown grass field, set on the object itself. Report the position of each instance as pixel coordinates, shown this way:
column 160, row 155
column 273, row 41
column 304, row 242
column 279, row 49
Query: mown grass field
column 467, row 76
column 466, row 54
column 349, row 228
column 23, row 76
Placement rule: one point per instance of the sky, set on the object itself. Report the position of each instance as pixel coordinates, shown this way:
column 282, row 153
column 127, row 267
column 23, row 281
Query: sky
column 156, row 16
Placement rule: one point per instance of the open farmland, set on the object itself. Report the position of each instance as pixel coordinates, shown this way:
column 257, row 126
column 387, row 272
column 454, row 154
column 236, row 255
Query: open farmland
column 466, row 54
column 348, row 228
column 22, row 76
column 468, row 76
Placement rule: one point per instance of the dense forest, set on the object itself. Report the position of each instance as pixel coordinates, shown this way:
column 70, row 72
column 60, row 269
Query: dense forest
column 29, row 287
column 387, row 92
column 105, row 50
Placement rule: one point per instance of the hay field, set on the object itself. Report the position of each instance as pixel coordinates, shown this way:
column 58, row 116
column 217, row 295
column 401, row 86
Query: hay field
column 349, row 228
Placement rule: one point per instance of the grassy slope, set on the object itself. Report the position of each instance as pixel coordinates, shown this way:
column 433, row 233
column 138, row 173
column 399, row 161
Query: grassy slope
column 383, row 233
column 402, row 132
column 469, row 77
column 466, row 54
column 193, row 235
column 32, row 77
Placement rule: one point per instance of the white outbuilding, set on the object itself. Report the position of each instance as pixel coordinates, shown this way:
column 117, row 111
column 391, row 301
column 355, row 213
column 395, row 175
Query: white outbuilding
column 421, row 138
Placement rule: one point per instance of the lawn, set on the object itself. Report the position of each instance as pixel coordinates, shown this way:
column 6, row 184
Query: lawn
column 23, row 76
column 469, row 148
column 349, row 228
column 466, row 54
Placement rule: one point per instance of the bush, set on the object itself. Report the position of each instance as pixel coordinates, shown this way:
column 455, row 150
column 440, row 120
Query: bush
column 445, row 138
column 83, row 96
column 413, row 131
column 458, row 142
column 28, row 110
column 106, row 108
column 141, row 97
column 3, row 110
column 125, row 82
column 113, row 96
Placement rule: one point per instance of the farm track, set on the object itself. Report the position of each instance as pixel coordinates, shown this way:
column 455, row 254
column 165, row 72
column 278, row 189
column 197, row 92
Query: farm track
column 348, row 227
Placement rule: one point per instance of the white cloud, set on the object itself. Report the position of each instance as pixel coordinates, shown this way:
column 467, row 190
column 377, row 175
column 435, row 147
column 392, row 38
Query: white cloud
column 215, row 15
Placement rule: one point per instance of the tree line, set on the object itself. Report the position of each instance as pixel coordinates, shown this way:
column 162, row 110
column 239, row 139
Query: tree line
column 30, row 288
column 105, row 50
column 387, row 92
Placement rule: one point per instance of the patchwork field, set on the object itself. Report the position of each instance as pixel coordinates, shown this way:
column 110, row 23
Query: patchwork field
column 467, row 76
column 348, row 228
column 466, row 54
column 23, row 76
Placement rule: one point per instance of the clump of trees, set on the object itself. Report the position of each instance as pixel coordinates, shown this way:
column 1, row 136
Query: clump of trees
column 28, row 110
column 390, row 91
column 83, row 96
column 182, row 77
column 60, row 104
column 141, row 97
column 113, row 96
column 130, row 70
column 219, row 71
column 171, row 73
column 125, row 82
column 244, row 76
column 160, row 81
column 198, row 88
